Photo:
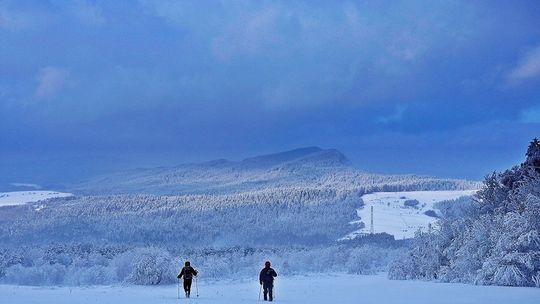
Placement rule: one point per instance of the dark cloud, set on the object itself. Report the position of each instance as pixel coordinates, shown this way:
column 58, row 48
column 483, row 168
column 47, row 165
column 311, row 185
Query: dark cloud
column 178, row 81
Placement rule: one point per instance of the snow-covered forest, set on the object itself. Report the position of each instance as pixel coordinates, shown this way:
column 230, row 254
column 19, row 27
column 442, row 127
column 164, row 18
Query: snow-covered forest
column 293, row 208
column 273, row 217
column 492, row 239
column 87, row 264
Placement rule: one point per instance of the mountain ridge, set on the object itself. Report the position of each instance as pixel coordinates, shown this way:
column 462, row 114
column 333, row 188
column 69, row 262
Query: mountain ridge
column 305, row 167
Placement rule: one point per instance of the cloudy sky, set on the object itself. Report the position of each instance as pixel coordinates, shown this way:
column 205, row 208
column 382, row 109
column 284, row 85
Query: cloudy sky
column 447, row 88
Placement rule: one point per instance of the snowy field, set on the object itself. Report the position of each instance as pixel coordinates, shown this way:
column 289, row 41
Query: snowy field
column 393, row 216
column 22, row 197
column 339, row 288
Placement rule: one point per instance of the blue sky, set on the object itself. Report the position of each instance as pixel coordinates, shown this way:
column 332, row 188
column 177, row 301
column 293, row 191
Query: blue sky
column 447, row 88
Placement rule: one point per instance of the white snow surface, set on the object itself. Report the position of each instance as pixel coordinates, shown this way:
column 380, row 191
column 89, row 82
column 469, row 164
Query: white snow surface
column 337, row 288
column 390, row 214
column 22, row 197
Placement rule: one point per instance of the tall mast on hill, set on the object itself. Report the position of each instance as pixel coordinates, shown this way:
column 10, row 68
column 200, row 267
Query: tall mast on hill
column 371, row 230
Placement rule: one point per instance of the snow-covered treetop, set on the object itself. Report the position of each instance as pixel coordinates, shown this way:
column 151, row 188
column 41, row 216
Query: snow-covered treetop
column 533, row 155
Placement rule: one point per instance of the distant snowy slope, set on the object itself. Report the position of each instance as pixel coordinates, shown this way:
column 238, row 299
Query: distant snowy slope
column 22, row 197
column 402, row 213
column 305, row 167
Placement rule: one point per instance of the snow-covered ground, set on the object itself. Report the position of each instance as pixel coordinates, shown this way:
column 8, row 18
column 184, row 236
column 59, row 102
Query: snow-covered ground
column 338, row 288
column 393, row 216
column 23, row 197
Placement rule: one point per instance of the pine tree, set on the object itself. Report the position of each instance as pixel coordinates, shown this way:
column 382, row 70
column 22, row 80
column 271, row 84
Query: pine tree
column 533, row 155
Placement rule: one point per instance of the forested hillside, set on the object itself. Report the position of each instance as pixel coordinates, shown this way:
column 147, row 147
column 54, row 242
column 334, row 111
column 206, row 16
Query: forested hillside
column 493, row 240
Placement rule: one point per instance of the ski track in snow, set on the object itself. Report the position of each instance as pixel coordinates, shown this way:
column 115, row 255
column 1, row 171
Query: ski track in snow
column 15, row 198
column 312, row 289
column 391, row 216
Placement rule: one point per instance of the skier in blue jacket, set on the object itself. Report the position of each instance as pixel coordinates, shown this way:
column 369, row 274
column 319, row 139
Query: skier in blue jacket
column 266, row 279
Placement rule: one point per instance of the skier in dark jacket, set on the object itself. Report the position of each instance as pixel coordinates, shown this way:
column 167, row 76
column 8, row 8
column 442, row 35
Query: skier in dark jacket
column 188, row 273
column 266, row 279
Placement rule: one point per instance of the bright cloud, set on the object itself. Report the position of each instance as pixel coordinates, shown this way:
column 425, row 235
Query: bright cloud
column 395, row 116
column 87, row 13
column 247, row 35
column 531, row 115
column 11, row 20
column 529, row 67
column 50, row 81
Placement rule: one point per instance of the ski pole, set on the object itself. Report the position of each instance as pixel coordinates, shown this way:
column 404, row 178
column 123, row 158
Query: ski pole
column 260, row 289
column 274, row 289
column 196, row 287
column 178, row 287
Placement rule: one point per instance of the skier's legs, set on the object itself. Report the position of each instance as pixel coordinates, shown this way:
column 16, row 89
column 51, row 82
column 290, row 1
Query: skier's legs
column 265, row 290
column 187, row 287
column 270, row 288
column 267, row 287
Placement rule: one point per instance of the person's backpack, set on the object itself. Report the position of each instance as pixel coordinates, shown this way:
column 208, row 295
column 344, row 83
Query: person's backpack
column 188, row 273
